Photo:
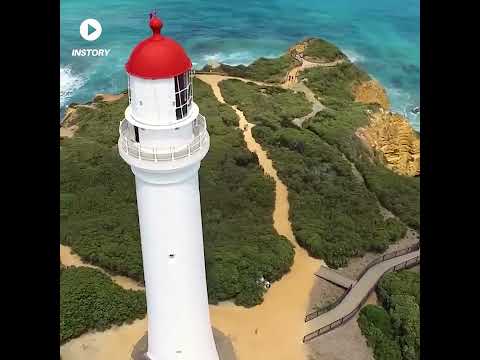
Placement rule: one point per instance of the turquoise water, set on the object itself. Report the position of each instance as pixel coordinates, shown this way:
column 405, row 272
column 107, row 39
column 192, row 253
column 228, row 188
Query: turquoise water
column 381, row 36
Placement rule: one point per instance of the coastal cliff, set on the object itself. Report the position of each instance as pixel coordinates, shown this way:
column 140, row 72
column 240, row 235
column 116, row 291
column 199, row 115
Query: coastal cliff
column 389, row 135
column 393, row 141
column 69, row 123
column 371, row 92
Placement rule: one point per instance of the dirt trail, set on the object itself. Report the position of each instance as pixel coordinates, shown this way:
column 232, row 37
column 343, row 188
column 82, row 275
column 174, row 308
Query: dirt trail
column 290, row 82
column 68, row 258
column 292, row 76
column 274, row 329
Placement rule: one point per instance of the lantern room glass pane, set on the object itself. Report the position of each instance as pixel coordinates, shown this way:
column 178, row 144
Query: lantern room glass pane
column 183, row 94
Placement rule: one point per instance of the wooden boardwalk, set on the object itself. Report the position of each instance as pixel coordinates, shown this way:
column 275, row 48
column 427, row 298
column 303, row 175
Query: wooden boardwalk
column 334, row 277
column 355, row 298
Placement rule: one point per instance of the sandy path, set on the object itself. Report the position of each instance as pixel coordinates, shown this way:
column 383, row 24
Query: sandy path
column 68, row 258
column 291, row 77
column 274, row 329
column 110, row 97
column 68, row 132
column 115, row 343
column 290, row 82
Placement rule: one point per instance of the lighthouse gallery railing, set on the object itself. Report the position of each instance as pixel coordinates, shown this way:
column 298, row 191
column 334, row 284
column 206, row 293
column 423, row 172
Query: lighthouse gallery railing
column 163, row 153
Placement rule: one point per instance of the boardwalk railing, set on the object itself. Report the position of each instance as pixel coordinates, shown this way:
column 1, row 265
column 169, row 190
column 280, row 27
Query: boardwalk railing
column 404, row 265
column 328, row 307
column 385, row 257
column 388, row 257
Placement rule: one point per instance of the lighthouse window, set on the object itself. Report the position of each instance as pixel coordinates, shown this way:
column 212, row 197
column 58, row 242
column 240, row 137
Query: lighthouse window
column 183, row 94
column 137, row 137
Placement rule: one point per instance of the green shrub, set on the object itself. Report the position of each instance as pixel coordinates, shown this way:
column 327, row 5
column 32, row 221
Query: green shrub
column 378, row 317
column 322, row 50
column 89, row 300
column 405, row 314
column 393, row 331
column 399, row 283
column 375, row 324
column 334, row 84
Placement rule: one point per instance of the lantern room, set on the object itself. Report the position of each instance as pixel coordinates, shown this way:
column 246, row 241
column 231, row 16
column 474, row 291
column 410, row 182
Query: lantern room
column 159, row 82
column 162, row 127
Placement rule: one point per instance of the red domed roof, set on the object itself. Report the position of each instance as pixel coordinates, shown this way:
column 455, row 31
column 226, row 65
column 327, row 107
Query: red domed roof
column 157, row 57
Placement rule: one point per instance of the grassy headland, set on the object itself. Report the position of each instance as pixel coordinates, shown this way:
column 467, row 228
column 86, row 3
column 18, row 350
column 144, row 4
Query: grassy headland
column 320, row 50
column 333, row 215
column 337, row 125
column 262, row 69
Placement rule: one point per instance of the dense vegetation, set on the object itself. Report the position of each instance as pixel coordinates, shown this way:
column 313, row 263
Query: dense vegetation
column 89, row 300
column 322, row 50
column 333, row 84
column 337, row 125
column 393, row 331
column 99, row 214
column 262, row 69
column 237, row 205
column 334, row 216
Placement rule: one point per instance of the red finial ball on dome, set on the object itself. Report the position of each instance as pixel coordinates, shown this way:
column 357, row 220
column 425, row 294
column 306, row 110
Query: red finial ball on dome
column 155, row 24
column 158, row 56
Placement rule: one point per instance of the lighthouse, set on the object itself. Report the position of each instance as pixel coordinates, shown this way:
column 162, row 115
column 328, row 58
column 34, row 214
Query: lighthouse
column 163, row 138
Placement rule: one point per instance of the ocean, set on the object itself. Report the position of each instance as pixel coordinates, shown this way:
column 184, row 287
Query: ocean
column 381, row 36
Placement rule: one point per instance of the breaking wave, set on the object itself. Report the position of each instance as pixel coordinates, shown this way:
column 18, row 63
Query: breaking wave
column 353, row 56
column 69, row 83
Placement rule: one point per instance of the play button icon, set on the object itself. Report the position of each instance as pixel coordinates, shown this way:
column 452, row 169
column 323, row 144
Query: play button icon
column 90, row 29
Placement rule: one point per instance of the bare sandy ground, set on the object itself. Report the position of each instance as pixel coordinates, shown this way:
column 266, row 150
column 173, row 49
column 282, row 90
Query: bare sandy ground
column 343, row 343
column 68, row 132
column 113, row 344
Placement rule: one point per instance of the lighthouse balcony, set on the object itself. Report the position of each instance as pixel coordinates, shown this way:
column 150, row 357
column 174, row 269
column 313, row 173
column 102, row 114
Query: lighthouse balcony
column 163, row 153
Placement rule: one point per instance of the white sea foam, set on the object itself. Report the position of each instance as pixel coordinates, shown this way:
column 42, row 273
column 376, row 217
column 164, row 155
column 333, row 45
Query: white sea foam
column 233, row 58
column 354, row 56
column 69, row 83
column 403, row 102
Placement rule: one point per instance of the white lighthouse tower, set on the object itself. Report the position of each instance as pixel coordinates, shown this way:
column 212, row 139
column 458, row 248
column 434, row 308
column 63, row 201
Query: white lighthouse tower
column 163, row 138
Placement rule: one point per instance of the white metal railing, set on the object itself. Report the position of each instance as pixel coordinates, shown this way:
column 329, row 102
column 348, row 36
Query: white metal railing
column 164, row 153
